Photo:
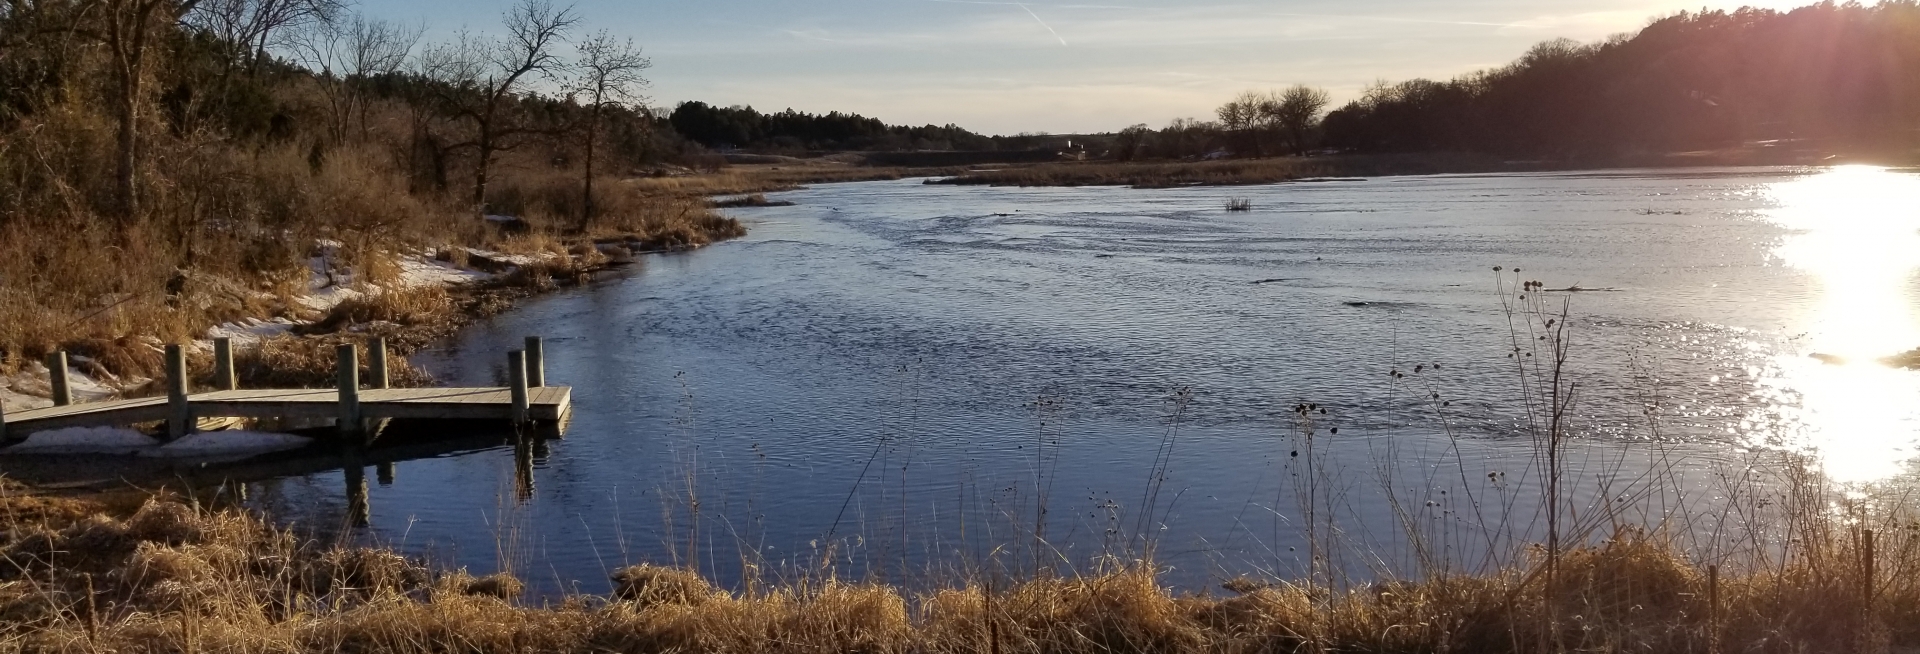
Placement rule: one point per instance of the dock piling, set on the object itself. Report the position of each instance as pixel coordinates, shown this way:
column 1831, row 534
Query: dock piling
column 57, row 377
column 359, row 511
column 536, row 362
column 349, row 378
column 179, row 411
column 223, row 377
column 377, row 362
column 517, row 385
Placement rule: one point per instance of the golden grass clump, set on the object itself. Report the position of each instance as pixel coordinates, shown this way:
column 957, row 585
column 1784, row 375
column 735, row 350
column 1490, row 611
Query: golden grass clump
column 498, row 585
column 647, row 585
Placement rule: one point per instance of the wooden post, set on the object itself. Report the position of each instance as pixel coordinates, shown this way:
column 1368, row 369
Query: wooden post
column 179, row 412
column 384, row 473
column 1713, row 609
column 57, row 377
column 359, row 511
column 349, row 378
column 536, row 362
column 523, row 469
column 517, row 385
column 1866, row 575
column 377, row 362
column 223, row 377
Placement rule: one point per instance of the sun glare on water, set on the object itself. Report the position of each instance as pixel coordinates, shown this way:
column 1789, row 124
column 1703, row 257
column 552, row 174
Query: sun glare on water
column 1856, row 229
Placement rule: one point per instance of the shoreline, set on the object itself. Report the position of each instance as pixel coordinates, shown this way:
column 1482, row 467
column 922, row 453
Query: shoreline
column 750, row 179
column 432, row 299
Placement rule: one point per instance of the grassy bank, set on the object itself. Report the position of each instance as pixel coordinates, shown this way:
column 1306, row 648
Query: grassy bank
column 168, row 575
column 218, row 181
column 765, row 178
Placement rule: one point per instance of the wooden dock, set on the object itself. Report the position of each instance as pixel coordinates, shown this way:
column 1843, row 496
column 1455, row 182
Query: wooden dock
column 352, row 404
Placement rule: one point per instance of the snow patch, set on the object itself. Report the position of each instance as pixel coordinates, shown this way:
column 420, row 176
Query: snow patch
column 423, row 271
column 213, row 443
column 84, row 440
column 251, row 330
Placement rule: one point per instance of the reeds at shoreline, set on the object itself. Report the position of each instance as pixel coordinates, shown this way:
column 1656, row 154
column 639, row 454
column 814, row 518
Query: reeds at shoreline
column 171, row 577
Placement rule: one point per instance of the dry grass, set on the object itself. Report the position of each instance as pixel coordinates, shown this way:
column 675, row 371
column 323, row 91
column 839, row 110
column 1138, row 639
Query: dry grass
column 761, row 178
column 227, row 228
column 168, row 577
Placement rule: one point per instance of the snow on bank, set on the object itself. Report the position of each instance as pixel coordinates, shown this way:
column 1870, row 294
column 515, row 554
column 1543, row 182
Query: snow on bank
column 85, row 440
column 417, row 271
column 30, row 387
column 214, row 443
column 328, row 286
column 251, row 330
column 127, row 442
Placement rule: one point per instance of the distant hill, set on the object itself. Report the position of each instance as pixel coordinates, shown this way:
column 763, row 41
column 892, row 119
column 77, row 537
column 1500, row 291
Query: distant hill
column 1833, row 76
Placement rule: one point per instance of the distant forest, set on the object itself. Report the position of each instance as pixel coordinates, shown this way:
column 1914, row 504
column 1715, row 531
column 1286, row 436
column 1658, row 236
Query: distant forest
column 1844, row 75
column 797, row 132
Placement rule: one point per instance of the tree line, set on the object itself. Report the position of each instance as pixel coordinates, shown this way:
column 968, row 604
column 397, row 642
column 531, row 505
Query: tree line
column 1840, row 76
column 743, row 127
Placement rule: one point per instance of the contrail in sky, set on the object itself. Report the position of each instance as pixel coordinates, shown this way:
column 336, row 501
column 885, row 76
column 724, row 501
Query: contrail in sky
column 1029, row 10
column 1036, row 17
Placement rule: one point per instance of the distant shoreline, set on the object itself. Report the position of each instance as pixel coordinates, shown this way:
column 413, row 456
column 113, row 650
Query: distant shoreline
column 750, row 178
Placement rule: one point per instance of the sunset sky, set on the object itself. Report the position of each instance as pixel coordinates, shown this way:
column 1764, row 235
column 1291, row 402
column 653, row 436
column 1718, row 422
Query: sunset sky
column 1061, row 67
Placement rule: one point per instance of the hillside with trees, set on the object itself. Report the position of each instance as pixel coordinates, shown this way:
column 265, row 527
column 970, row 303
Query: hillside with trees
column 1822, row 79
column 1840, row 77
column 169, row 164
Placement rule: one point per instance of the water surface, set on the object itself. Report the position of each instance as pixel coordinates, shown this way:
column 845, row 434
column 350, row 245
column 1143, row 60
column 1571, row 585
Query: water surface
column 899, row 378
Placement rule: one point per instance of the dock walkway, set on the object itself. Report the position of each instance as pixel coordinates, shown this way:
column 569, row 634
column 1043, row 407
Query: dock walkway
column 527, row 400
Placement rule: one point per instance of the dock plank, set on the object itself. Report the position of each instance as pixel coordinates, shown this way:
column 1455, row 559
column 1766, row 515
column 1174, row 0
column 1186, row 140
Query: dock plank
column 550, row 403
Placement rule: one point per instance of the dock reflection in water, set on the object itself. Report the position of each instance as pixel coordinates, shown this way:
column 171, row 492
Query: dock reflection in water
column 245, row 478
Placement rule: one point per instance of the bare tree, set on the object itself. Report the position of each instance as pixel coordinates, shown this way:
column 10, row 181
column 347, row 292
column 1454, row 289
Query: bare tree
column 1130, row 141
column 256, row 26
column 1296, row 112
column 129, row 28
column 346, row 54
column 483, row 75
column 1241, row 117
column 609, row 75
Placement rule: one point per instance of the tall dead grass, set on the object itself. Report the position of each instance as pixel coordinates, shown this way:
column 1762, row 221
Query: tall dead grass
column 228, row 229
column 172, row 576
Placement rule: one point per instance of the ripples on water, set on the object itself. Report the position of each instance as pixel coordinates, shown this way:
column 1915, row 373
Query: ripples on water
column 905, row 376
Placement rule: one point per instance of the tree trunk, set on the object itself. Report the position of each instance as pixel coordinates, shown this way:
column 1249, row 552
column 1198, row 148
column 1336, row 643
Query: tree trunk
column 586, row 196
column 480, row 179
column 128, row 42
column 480, row 169
column 127, row 157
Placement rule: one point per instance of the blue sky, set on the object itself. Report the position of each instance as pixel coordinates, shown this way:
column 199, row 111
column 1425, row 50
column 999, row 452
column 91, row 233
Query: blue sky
column 1060, row 67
